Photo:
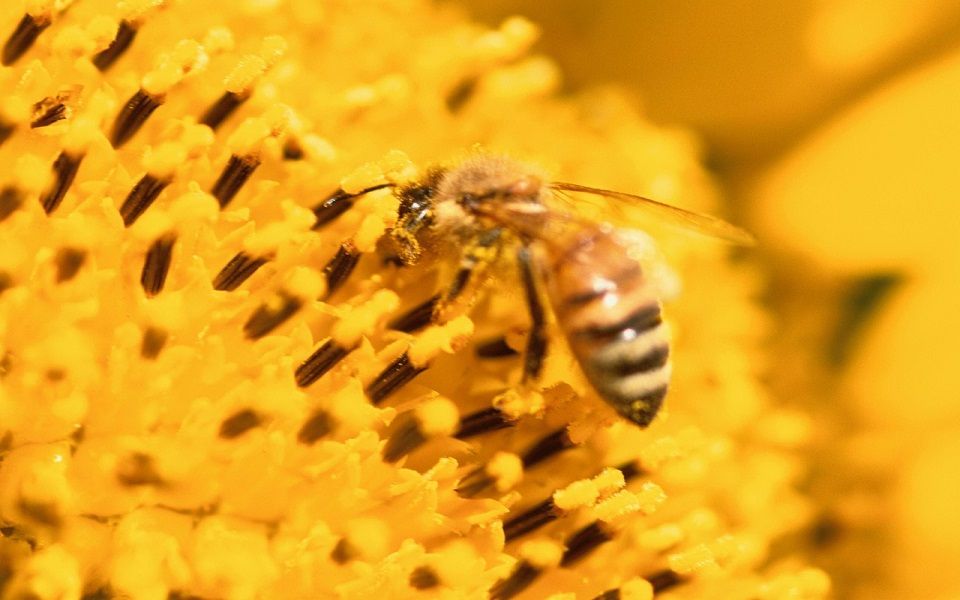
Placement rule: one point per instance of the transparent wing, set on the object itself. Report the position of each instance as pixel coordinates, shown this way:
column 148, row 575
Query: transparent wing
column 699, row 223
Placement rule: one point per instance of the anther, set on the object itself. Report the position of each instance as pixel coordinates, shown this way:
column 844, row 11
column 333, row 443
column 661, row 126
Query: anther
column 134, row 114
column 631, row 470
column 45, row 513
column 523, row 575
column 548, row 446
column 68, row 262
column 292, row 150
column 343, row 552
column 423, row 578
column 65, row 169
column 6, row 282
column 267, row 318
column 153, row 341
column 157, row 264
column 417, row 317
column 240, row 268
column 11, row 199
column 340, row 266
column 664, row 580
column 338, row 203
column 234, row 175
column 530, row 520
column 143, row 194
column 319, row 363
column 482, row 421
column 221, row 110
column 461, row 93
column 138, row 469
column 104, row 59
column 479, row 479
column 239, row 423
column 584, row 541
column 391, row 379
column 405, row 438
column 49, row 113
column 317, row 426
column 495, row 348
column 474, row 482
column 6, row 130
column 26, row 33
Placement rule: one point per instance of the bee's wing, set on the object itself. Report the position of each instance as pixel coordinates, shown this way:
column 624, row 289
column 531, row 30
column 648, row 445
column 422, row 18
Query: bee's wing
column 699, row 223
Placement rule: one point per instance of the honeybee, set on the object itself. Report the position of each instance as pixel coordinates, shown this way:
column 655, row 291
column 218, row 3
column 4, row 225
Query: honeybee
column 602, row 297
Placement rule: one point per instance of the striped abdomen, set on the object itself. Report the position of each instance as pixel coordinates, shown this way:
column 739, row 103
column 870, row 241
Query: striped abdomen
column 612, row 320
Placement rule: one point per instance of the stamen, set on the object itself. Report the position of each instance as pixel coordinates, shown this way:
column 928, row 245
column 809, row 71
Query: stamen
column 45, row 513
column 478, row 479
column 138, row 469
column 405, row 439
column 132, row 117
column 157, row 265
column 319, row 363
column 548, row 446
column 524, row 574
column 631, row 470
column 105, row 593
column 152, row 343
column 391, row 379
column 265, row 319
column 340, row 266
column 240, row 268
column 51, row 113
column 532, row 519
column 342, row 552
column 825, row 531
column 27, row 31
column 239, row 423
column 104, row 59
column 417, row 317
column 316, row 427
column 482, row 421
column 234, row 175
column 495, row 348
column 69, row 261
column 143, row 194
column 65, row 170
column 664, row 580
column 461, row 93
column 474, row 482
column 338, row 203
column 10, row 200
column 584, row 541
column 292, row 150
column 221, row 110
column 6, row 130
column 423, row 578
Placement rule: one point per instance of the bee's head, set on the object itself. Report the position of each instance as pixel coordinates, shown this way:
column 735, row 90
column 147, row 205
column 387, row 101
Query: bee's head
column 481, row 183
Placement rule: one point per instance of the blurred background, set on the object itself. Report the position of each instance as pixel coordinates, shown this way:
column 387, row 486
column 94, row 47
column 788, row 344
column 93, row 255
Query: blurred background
column 833, row 127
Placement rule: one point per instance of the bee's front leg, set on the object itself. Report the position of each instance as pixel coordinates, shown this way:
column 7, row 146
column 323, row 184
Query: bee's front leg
column 456, row 299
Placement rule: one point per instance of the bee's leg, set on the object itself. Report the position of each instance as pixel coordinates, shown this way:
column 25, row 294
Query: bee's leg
column 440, row 310
column 439, row 307
column 491, row 419
column 537, row 342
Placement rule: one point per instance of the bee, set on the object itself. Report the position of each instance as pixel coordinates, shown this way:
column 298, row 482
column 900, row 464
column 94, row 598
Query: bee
column 604, row 300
